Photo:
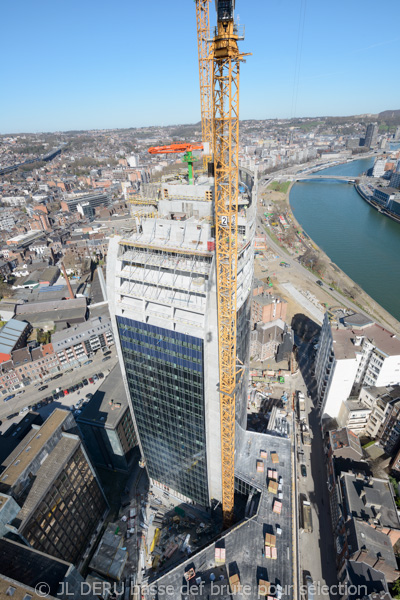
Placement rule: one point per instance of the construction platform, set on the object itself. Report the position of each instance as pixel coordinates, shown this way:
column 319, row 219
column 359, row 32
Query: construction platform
column 258, row 553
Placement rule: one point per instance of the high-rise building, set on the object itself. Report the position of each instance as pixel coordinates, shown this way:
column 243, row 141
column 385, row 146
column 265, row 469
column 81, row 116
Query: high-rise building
column 371, row 135
column 396, row 136
column 163, row 303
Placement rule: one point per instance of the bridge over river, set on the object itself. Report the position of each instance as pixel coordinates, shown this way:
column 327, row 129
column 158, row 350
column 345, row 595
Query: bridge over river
column 348, row 179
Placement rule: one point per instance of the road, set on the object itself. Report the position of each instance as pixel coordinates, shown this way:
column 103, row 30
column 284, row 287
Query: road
column 306, row 275
column 32, row 395
column 316, row 549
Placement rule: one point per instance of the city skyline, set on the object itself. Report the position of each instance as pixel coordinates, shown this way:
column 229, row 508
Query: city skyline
column 97, row 67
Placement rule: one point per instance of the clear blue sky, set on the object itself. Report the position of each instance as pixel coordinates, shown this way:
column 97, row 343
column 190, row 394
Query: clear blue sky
column 82, row 65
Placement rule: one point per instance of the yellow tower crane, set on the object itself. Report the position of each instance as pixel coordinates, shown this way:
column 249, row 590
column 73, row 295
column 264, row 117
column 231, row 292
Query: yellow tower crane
column 203, row 37
column 226, row 60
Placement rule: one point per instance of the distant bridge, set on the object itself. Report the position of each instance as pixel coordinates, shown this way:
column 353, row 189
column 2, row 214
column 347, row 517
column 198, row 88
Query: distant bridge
column 348, row 179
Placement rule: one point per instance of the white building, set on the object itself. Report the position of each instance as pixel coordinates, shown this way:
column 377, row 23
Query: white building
column 379, row 167
column 349, row 357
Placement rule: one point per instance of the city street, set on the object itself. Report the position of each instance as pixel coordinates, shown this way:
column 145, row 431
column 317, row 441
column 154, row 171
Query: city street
column 316, row 549
column 32, row 395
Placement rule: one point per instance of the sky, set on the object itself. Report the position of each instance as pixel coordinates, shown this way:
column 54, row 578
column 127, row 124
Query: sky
column 128, row 63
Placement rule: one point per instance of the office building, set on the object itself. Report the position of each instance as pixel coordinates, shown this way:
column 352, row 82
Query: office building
column 26, row 574
column 356, row 353
column 87, row 202
column 106, row 425
column 61, row 502
column 163, row 303
column 371, row 135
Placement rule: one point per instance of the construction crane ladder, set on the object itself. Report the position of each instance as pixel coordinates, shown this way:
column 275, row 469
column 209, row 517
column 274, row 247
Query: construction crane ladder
column 205, row 70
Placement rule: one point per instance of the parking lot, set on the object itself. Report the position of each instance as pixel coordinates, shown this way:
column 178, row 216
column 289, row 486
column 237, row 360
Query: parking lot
column 50, row 394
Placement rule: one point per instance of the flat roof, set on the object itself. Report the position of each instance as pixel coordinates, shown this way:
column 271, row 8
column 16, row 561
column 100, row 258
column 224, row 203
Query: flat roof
column 244, row 543
column 46, row 474
column 30, row 449
column 101, row 410
column 30, row 567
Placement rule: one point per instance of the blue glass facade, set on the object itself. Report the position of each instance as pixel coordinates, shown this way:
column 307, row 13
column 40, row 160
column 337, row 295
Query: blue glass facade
column 165, row 372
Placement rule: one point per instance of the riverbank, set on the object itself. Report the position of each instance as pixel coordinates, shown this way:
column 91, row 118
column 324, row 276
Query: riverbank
column 335, row 278
column 376, row 205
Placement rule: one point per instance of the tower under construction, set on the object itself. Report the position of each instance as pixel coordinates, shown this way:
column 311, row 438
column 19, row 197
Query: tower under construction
column 162, row 294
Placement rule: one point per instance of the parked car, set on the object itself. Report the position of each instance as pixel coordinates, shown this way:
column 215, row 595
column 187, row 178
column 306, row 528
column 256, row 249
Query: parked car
column 23, row 410
column 106, row 358
column 303, row 471
column 100, row 375
column 57, row 376
column 80, row 385
column 10, row 397
column 107, row 353
column 91, row 380
column 20, row 392
column 66, row 392
column 95, row 378
column 88, row 362
column 85, row 382
column 44, row 387
column 12, row 415
column 88, row 396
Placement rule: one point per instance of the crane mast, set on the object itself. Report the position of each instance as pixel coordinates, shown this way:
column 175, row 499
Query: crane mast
column 226, row 61
column 203, row 36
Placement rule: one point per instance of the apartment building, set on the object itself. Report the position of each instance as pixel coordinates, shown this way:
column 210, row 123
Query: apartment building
column 75, row 344
column 384, row 419
column 60, row 499
column 350, row 357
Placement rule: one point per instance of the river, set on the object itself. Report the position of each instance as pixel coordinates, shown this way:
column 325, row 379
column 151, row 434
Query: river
column 361, row 241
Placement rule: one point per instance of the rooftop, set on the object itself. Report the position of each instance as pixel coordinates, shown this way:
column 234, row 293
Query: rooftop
column 10, row 334
column 371, row 500
column 29, row 567
column 108, row 404
column 47, row 473
column 30, row 449
column 244, row 543
column 344, row 438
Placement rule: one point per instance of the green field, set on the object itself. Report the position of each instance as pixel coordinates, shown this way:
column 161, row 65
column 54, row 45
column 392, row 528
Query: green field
column 280, row 187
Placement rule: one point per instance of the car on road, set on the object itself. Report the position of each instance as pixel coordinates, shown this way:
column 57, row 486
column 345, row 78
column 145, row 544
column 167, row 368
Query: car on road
column 12, row 415
column 7, row 398
column 106, row 358
column 303, row 471
column 319, row 282
column 88, row 362
column 44, row 387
